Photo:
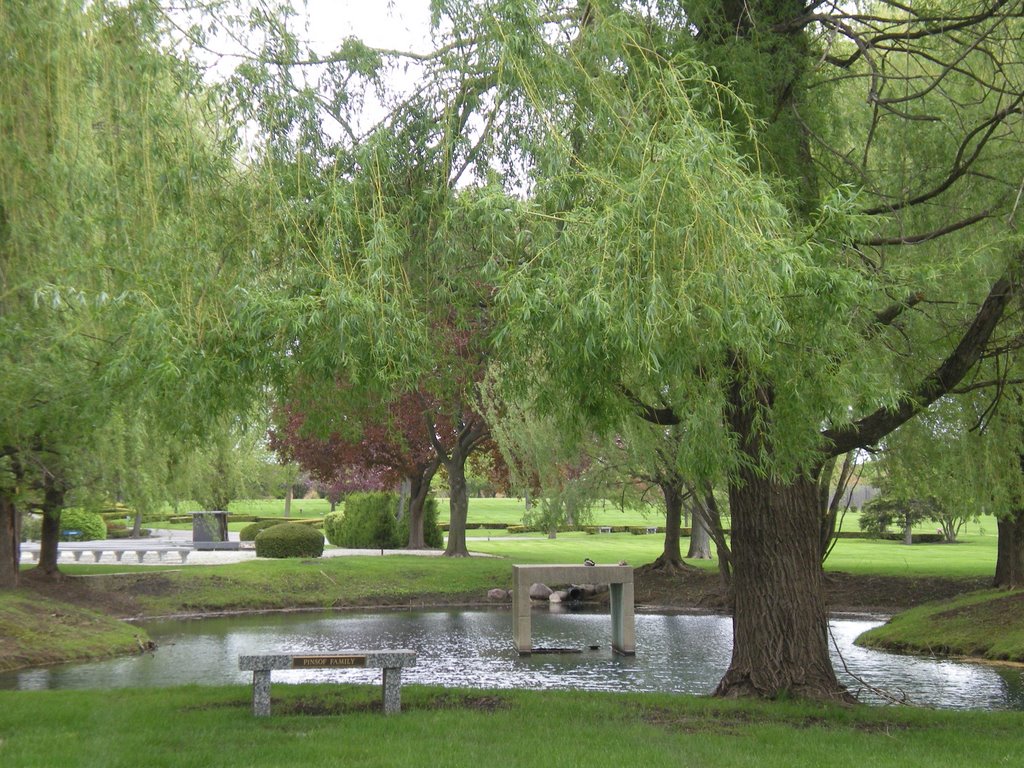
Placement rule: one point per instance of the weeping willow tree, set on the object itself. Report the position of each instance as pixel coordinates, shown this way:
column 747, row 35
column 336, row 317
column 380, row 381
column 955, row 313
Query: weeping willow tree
column 124, row 228
column 783, row 229
column 706, row 263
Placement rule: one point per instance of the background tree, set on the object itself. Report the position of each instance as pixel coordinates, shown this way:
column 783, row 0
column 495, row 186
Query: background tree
column 124, row 228
column 964, row 454
column 375, row 445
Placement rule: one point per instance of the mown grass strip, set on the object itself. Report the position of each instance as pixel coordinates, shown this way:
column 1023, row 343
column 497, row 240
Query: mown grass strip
column 342, row 725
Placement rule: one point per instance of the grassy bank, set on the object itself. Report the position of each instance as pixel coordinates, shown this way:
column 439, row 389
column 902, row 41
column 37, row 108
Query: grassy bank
column 37, row 631
column 341, row 724
column 287, row 583
column 988, row 625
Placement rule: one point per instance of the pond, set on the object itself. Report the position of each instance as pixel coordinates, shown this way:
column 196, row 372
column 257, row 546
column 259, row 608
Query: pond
column 473, row 649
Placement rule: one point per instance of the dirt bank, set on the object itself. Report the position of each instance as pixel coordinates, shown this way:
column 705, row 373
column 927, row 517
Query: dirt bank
column 846, row 593
column 123, row 596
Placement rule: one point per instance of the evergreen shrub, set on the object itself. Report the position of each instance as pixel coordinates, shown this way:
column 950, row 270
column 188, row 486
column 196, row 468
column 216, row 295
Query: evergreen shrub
column 90, row 525
column 368, row 522
column 289, row 540
column 332, row 527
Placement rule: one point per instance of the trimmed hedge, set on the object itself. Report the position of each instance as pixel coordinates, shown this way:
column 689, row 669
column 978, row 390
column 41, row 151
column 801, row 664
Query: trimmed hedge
column 89, row 525
column 250, row 531
column 289, row 540
column 125, row 532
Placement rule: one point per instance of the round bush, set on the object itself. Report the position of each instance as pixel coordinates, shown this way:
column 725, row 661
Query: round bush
column 90, row 526
column 289, row 540
column 250, row 531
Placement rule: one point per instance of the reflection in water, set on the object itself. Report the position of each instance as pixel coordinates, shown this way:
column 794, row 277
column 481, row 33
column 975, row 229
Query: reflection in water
column 473, row 649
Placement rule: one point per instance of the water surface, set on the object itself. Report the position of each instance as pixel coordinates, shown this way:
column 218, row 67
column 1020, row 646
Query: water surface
column 473, row 649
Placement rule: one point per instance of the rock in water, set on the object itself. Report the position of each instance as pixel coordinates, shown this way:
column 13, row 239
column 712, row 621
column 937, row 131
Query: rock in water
column 539, row 591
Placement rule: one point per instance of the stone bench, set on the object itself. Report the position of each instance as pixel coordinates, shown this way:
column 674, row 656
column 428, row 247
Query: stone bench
column 390, row 661
column 30, row 552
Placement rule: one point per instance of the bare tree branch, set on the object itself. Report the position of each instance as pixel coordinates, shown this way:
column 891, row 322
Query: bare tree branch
column 872, row 428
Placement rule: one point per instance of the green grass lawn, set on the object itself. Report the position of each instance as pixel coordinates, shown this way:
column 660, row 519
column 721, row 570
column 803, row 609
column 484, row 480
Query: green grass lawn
column 974, row 556
column 509, row 511
column 275, row 507
column 505, row 511
column 342, row 725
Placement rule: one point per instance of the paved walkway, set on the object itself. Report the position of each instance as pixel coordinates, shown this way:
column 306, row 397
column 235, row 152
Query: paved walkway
column 183, row 538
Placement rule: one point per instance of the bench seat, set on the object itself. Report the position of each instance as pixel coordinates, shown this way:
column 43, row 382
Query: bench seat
column 390, row 661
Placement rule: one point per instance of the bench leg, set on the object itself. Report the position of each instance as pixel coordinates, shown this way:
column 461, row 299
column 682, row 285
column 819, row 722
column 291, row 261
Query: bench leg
column 392, row 690
column 184, row 555
column 261, row 692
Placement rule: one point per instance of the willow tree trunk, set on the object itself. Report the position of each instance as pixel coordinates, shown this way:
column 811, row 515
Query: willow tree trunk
column 1010, row 551
column 48, row 545
column 671, row 557
column 10, row 547
column 419, row 489
column 780, row 623
column 700, row 538
column 458, row 502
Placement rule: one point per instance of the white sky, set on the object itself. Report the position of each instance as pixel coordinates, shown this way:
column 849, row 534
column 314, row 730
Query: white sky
column 400, row 24
column 392, row 24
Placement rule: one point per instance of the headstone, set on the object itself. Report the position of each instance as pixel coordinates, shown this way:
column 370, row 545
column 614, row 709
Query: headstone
column 210, row 526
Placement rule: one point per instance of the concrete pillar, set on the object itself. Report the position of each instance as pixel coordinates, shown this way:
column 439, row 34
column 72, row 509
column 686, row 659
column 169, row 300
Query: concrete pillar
column 623, row 618
column 521, row 629
column 392, row 694
column 261, row 692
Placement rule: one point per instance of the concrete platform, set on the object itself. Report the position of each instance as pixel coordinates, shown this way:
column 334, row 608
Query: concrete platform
column 619, row 579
